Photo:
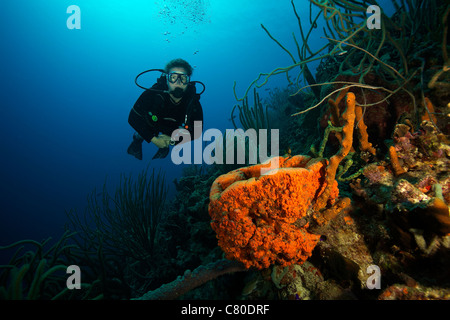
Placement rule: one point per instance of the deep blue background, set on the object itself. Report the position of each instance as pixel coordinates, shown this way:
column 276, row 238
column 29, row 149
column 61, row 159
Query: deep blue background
column 66, row 94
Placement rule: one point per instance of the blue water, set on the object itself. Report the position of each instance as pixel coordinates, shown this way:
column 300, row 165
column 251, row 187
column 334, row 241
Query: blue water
column 66, row 94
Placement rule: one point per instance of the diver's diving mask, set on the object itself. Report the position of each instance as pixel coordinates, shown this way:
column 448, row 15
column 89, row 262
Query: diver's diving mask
column 173, row 77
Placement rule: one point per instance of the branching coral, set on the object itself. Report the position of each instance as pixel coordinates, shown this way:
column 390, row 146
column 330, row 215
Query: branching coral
column 387, row 53
column 305, row 55
column 125, row 224
column 256, row 117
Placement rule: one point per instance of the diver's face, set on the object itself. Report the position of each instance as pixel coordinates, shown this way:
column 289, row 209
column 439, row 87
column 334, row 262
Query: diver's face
column 177, row 81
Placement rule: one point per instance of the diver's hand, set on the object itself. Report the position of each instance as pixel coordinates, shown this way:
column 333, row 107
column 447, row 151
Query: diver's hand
column 161, row 141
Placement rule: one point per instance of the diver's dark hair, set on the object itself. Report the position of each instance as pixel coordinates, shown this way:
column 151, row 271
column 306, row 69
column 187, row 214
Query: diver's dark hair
column 179, row 63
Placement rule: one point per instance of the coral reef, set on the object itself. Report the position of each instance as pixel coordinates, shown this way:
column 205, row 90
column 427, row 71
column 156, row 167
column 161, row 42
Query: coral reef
column 398, row 218
column 392, row 214
column 366, row 216
column 396, row 221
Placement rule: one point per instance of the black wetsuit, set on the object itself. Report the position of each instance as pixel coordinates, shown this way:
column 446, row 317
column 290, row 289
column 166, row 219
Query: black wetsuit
column 154, row 112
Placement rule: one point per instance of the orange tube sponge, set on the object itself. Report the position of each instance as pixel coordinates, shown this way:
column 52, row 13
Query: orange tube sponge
column 348, row 121
column 262, row 220
column 362, row 129
column 334, row 107
column 398, row 170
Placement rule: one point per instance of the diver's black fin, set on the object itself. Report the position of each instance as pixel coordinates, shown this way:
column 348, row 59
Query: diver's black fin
column 135, row 148
column 162, row 153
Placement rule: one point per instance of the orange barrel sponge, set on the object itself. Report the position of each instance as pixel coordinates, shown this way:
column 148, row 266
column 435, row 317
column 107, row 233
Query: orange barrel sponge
column 262, row 220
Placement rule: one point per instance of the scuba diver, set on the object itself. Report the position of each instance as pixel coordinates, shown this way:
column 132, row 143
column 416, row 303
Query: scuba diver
column 171, row 103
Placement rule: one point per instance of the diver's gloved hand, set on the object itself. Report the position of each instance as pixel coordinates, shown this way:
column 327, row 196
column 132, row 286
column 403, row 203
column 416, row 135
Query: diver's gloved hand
column 161, row 141
column 135, row 148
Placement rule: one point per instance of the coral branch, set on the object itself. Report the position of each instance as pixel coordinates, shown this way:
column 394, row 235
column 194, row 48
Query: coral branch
column 191, row 280
column 371, row 55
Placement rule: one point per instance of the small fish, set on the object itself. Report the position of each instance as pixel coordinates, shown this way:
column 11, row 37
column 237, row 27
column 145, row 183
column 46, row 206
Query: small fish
column 342, row 53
